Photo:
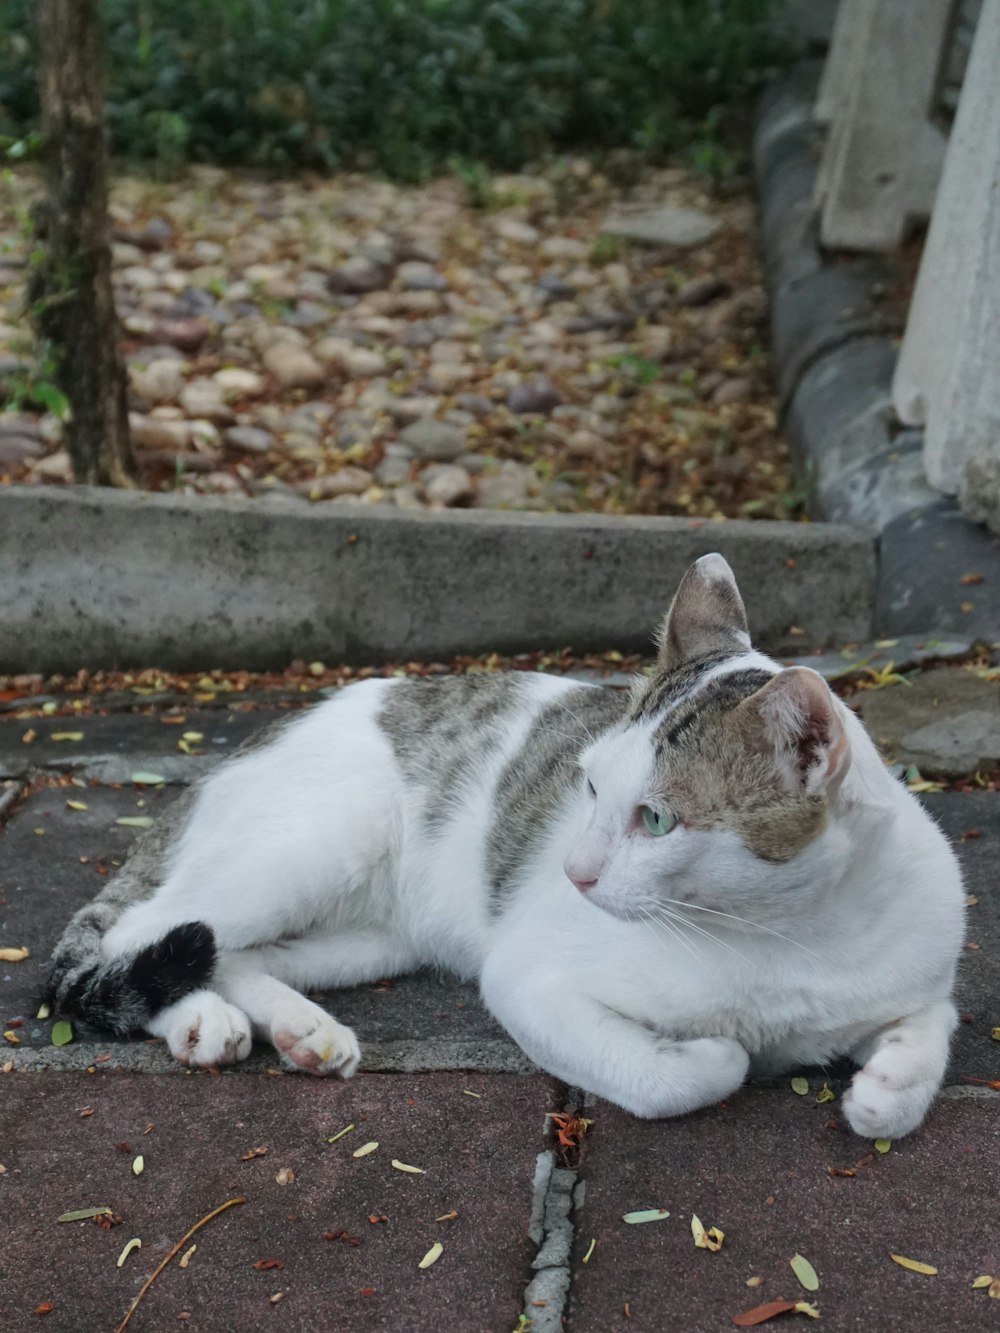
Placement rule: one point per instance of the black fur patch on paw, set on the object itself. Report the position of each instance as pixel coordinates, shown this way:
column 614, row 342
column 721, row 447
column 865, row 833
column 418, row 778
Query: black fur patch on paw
column 181, row 962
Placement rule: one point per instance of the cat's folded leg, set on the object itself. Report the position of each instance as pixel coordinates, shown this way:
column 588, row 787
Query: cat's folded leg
column 203, row 1029
column 589, row 1045
column 904, row 1065
column 306, row 1036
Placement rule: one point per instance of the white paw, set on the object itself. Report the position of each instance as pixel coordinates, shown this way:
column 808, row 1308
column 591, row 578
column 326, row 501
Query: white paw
column 204, row 1030
column 310, row 1039
column 890, row 1096
column 689, row 1075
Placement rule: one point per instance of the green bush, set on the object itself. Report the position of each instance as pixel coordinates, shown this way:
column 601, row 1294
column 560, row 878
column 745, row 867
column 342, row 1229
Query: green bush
column 404, row 84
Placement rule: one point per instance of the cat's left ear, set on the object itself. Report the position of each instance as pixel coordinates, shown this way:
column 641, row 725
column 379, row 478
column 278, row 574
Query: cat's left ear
column 802, row 720
column 706, row 615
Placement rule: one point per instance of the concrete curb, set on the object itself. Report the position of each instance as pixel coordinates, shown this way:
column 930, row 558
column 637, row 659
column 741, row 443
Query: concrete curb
column 834, row 333
column 103, row 578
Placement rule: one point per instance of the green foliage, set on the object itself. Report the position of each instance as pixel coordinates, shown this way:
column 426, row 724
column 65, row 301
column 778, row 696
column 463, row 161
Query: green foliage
column 406, row 84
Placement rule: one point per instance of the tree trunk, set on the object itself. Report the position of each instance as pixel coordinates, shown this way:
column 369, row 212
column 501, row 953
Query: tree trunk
column 71, row 292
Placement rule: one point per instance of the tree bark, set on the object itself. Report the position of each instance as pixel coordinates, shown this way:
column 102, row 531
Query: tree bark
column 71, row 293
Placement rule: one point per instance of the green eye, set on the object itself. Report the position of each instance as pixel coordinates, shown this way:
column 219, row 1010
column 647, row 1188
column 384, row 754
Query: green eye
column 657, row 822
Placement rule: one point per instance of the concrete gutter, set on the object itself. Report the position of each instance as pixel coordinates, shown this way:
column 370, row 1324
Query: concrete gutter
column 835, row 325
column 103, row 578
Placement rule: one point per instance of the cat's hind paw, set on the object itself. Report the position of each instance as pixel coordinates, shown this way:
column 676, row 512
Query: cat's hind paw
column 204, row 1030
column 316, row 1043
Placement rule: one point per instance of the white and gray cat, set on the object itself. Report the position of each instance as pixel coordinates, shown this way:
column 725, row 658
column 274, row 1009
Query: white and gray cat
column 657, row 892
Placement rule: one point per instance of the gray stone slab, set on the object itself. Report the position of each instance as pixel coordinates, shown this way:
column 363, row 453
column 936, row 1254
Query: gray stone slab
column 923, row 556
column 884, row 486
column 757, row 1168
column 840, row 415
column 254, row 587
column 814, row 314
column 946, row 721
column 902, row 653
column 478, row 1156
column 114, row 747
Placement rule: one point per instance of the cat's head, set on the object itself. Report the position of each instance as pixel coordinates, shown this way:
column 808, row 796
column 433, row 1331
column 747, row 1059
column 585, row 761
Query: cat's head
column 721, row 781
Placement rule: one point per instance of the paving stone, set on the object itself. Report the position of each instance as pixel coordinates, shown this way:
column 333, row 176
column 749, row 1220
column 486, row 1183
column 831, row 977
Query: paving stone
column 946, row 722
column 923, row 556
column 904, row 652
column 757, row 1169
column 202, row 1127
column 116, row 746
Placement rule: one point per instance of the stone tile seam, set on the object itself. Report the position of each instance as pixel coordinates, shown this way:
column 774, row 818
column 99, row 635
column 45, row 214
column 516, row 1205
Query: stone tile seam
column 554, row 1202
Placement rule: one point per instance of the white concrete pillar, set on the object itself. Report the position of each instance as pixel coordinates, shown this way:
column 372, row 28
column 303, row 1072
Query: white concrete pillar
column 948, row 373
column 842, row 60
column 883, row 154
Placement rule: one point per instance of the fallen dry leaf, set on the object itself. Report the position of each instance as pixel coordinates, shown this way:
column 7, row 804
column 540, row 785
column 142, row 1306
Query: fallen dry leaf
column 285, row 1176
column 800, row 1085
column 706, row 1239
column 432, row 1255
column 251, row 1153
column 805, row 1272
column 13, row 955
column 365, row 1149
column 412, row 1170
column 46, row 1307
column 186, row 1257
column 570, row 1129
column 343, row 1235
column 134, row 1244
column 263, row 1264
column 760, row 1314
column 914, row 1265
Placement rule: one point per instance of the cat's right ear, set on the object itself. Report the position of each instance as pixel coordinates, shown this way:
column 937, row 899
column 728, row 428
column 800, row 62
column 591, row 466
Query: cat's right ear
column 706, row 615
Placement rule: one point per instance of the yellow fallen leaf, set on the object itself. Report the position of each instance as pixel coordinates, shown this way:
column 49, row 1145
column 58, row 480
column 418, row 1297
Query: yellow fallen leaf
column 994, row 1289
column 995, row 1034
column 193, row 736
column 803, row 1307
column 340, row 1134
column 43, row 1011
column 800, row 1085
column 13, row 955
column 413, row 1170
column 755, row 1281
column 590, row 1250
column 432, row 1255
column 805, row 1272
column 78, row 805
column 883, row 1145
column 365, row 1149
column 29, row 737
column 66, row 736
column 186, row 1257
column 825, row 1094
column 981, row 1282
column 914, row 1265
column 286, row 1176
column 134, row 1244
column 138, row 1166
column 710, row 1239
column 12, row 1037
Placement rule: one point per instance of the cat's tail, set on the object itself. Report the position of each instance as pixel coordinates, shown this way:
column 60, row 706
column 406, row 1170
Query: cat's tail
column 120, row 995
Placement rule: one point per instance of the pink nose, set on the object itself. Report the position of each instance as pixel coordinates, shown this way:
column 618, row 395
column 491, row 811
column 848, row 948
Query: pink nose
column 582, row 884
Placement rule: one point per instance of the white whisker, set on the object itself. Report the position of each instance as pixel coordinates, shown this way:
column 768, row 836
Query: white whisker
column 695, row 907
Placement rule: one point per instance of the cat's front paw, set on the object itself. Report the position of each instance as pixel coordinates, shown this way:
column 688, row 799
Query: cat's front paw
column 204, row 1030
column 690, row 1074
column 316, row 1043
column 887, row 1099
